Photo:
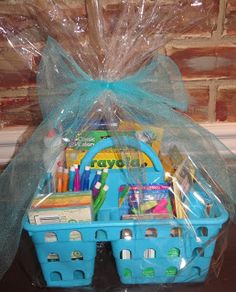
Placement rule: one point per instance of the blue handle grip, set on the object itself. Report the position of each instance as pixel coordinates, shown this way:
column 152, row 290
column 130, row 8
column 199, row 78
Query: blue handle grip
column 127, row 141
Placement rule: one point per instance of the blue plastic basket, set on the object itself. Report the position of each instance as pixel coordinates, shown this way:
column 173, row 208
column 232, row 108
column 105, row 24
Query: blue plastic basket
column 156, row 251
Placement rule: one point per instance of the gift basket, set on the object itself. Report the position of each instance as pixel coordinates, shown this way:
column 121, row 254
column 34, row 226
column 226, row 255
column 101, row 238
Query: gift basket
column 115, row 159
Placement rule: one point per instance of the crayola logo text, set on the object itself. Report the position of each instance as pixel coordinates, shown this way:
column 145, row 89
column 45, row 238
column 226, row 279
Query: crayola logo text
column 120, row 163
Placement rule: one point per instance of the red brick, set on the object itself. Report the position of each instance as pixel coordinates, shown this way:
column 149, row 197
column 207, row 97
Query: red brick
column 16, row 79
column 15, row 70
column 198, row 21
column 14, row 19
column 198, row 105
column 188, row 21
column 226, row 104
column 17, row 21
column 205, row 63
column 7, row 103
column 230, row 18
column 22, row 110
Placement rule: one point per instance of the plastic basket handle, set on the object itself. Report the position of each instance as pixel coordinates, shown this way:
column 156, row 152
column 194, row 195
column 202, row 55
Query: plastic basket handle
column 127, row 141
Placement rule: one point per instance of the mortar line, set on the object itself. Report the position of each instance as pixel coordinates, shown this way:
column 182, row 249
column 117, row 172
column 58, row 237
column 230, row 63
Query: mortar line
column 212, row 102
column 220, row 21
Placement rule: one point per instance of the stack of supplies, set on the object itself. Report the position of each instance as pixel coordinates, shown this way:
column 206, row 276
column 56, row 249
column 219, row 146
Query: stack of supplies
column 61, row 208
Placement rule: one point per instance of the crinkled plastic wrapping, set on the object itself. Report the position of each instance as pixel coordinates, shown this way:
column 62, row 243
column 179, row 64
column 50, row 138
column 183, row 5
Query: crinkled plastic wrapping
column 139, row 174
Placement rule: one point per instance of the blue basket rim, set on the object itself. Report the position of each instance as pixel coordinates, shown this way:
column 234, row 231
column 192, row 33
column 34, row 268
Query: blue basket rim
column 173, row 222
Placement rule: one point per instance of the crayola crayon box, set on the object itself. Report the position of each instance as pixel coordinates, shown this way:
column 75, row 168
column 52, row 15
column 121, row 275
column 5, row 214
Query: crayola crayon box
column 111, row 158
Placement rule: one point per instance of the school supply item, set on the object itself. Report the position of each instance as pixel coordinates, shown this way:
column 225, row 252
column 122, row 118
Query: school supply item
column 142, row 199
column 182, row 182
column 60, row 216
column 65, row 180
column 96, row 189
column 85, row 179
column 60, row 200
column 96, row 179
column 110, row 157
column 100, row 198
column 58, row 208
column 59, row 179
column 76, row 179
column 71, row 178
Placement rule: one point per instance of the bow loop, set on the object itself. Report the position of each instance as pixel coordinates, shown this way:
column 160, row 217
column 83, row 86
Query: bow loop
column 158, row 84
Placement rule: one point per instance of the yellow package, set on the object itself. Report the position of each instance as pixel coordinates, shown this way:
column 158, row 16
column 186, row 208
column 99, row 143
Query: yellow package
column 110, row 158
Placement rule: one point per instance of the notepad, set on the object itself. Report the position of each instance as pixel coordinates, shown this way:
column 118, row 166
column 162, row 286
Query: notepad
column 61, row 208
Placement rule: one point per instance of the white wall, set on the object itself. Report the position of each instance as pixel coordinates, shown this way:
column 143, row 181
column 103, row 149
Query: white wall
column 226, row 132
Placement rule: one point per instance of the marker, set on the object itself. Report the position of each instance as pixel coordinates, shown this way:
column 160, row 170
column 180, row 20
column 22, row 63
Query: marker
column 71, row 178
column 96, row 179
column 100, row 199
column 96, row 189
column 77, row 179
column 65, row 180
column 85, row 179
column 59, row 179
column 82, row 181
column 49, row 183
column 104, row 176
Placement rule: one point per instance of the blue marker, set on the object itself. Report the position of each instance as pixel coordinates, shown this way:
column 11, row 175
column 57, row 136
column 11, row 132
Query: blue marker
column 96, row 178
column 71, row 178
column 85, row 182
column 82, row 181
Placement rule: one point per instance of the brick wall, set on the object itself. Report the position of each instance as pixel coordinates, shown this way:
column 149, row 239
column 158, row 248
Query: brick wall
column 207, row 60
column 206, row 56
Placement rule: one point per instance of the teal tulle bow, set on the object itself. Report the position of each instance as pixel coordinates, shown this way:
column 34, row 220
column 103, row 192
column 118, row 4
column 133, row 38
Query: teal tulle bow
column 155, row 86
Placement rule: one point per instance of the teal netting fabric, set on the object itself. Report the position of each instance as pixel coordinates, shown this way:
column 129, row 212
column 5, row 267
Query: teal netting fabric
column 71, row 99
